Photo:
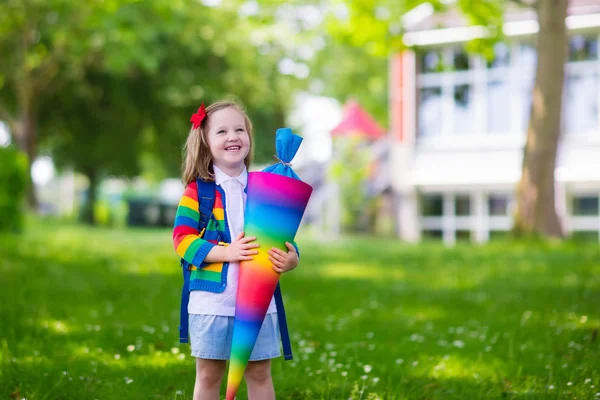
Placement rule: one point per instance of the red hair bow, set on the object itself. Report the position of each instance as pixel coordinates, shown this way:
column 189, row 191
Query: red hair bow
column 198, row 117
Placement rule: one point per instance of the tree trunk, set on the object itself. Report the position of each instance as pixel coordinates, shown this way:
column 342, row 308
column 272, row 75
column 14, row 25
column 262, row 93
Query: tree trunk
column 536, row 211
column 26, row 133
column 87, row 213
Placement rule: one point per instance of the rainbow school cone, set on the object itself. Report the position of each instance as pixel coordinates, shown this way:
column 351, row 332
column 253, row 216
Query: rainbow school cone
column 275, row 202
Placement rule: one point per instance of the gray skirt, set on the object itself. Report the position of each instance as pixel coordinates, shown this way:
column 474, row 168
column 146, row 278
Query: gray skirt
column 210, row 337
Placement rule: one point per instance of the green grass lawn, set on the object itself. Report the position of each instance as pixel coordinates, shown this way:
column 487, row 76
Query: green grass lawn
column 93, row 313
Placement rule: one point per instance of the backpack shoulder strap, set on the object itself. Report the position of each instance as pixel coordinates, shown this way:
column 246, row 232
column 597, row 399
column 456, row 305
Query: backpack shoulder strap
column 206, row 200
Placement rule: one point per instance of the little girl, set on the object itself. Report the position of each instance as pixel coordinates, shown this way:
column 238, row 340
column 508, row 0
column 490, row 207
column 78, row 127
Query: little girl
column 218, row 150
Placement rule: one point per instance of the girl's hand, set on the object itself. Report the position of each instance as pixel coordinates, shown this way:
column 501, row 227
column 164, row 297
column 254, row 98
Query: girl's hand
column 241, row 249
column 282, row 261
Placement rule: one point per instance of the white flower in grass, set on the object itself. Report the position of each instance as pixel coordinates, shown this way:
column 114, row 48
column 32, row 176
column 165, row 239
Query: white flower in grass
column 415, row 363
column 149, row 329
column 375, row 380
column 371, row 347
column 333, row 353
column 128, row 380
column 588, row 380
column 488, row 348
column 117, row 356
column 415, row 337
column 131, row 348
column 364, row 377
column 181, row 356
column 344, row 373
column 367, row 368
column 318, row 372
column 399, row 361
column 569, row 383
column 179, row 392
column 175, row 350
column 458, row 343
column 551, row 387
column 370, row 335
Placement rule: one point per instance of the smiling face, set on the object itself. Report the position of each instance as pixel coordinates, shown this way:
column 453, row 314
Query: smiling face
column 228, row 140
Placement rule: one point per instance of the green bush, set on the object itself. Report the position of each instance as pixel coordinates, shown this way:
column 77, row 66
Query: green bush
column 13, row 185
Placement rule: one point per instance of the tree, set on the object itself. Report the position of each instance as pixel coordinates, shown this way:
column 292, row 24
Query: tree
column 536, row 211
column 37, row 38
column 95, row 126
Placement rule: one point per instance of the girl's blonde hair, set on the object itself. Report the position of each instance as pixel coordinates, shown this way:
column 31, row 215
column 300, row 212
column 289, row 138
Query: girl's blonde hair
column 197, row 162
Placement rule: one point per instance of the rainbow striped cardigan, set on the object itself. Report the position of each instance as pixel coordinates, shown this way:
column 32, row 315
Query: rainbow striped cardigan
column 193, row 246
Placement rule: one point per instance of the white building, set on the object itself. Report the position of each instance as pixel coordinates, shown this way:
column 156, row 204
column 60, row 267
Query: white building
column 458, row 127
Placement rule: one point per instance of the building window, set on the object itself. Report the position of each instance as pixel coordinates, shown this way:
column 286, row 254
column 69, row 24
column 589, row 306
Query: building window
column 432, row 205
column 498, row 235
column 586, row 206
column 430, row 111
column 432, row 233
column 581, row 105
column 527, row 56
column 498, row 106
column 462, row 206
column 582, row 48
column 501, row 56
column 463, row 235
column 585, row 236
column 431, row 61
column 498, row 205
column 464, row 109
column 460, row 59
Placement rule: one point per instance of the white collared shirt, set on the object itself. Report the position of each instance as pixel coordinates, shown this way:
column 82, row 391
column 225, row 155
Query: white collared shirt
column 223, row 304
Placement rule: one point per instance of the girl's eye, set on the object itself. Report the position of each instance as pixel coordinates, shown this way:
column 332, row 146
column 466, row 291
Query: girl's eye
column 240, row 130
column 220, row 132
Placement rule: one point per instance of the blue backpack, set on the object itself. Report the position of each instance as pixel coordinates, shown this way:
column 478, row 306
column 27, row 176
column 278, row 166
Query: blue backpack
column 206, row 199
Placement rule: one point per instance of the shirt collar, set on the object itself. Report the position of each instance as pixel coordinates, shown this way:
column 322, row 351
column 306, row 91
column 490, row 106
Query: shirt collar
column 221, row 176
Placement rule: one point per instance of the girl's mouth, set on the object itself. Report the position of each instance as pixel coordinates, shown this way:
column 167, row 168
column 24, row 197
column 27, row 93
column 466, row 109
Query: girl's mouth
column 233, row 148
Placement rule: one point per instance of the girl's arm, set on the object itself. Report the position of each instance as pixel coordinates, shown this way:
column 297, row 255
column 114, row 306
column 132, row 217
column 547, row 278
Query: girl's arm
column 186, row 238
